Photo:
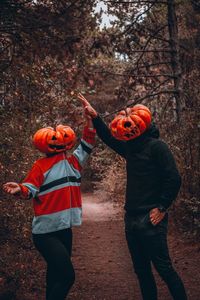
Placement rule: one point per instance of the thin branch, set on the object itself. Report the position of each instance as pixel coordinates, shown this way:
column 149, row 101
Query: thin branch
column 195, row 3
column 135, row 21
column 154, row 64
column 141, row 99
column 153, row 50
column 5, row 48
column 148, row 41
column 132, row 75
column 161, row 39
column 159, row 85
column 136, row 2
column 165, row 107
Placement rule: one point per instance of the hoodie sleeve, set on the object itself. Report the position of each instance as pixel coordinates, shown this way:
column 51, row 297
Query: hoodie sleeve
column 106, row 136
column 171, row 179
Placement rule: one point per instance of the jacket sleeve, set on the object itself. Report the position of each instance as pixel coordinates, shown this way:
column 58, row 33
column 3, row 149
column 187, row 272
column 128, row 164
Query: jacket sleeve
column 170, row 177
column 85, row 147
column 106, row 136
column 31, row 184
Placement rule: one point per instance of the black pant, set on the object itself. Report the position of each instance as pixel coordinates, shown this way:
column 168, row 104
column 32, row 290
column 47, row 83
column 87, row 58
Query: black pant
column 56, row 249
column 148, row 244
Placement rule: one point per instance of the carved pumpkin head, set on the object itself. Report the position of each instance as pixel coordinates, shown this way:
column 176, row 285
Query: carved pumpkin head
column 131, row 123
column 49, row 141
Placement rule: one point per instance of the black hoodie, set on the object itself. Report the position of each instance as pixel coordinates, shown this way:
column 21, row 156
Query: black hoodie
column 152, row 176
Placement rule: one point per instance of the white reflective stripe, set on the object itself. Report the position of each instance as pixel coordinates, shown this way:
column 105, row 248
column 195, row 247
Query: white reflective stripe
column 57, row 221
column 32, row 188
column 60, row 170
column 58, row 187
column 81, row 154
column 87, row 144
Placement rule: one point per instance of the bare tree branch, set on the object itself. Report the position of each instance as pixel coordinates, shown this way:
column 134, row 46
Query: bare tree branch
column 136, row 19
column 139, row 100
column 136, row 2
column 133, row 75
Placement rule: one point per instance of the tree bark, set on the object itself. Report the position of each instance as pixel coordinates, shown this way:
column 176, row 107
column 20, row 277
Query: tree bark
column 175, row 58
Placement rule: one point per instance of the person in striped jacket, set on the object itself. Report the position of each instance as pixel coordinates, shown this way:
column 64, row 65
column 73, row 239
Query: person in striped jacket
column 53, row 184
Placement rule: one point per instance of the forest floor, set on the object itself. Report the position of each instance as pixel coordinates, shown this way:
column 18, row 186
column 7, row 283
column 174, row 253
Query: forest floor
column 101, row 260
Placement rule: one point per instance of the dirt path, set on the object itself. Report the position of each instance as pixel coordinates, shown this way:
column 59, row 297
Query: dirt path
column 102, row 262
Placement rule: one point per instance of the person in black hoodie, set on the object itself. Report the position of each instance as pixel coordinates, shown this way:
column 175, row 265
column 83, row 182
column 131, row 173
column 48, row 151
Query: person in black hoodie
column 153, row 183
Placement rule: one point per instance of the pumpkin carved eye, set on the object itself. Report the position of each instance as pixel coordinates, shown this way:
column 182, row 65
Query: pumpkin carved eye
column 48, row 140
column 129, row 125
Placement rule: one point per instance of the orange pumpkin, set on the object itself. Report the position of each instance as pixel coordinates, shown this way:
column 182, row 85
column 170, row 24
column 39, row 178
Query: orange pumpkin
column 48, row 140
column 131, row 122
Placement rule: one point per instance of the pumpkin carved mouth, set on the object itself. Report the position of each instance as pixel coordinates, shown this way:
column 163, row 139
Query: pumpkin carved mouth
column 49, row 140
column 58, row 147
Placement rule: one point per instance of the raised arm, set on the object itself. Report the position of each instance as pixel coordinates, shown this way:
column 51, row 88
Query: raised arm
column 82, row 152
column 102, row 129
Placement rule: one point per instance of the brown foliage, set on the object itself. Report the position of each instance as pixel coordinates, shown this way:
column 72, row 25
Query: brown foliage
column 51, row 50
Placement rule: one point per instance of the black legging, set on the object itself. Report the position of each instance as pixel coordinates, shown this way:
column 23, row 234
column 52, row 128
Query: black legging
column 56, row 249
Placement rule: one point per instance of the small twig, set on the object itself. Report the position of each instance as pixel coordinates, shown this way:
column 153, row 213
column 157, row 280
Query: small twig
column 136, row 2
column 135, row 21
column 141, row 99
column 132, row 75
column 164, row 109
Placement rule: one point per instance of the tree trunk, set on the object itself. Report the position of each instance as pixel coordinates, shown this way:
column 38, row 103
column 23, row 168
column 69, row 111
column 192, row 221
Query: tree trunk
column 175, row 58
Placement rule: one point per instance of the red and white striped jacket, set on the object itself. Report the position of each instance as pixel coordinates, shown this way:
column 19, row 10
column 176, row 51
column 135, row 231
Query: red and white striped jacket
column 54, row 185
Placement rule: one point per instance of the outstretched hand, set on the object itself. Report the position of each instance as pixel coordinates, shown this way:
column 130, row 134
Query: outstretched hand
column 11, row 188
column 89, row 110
